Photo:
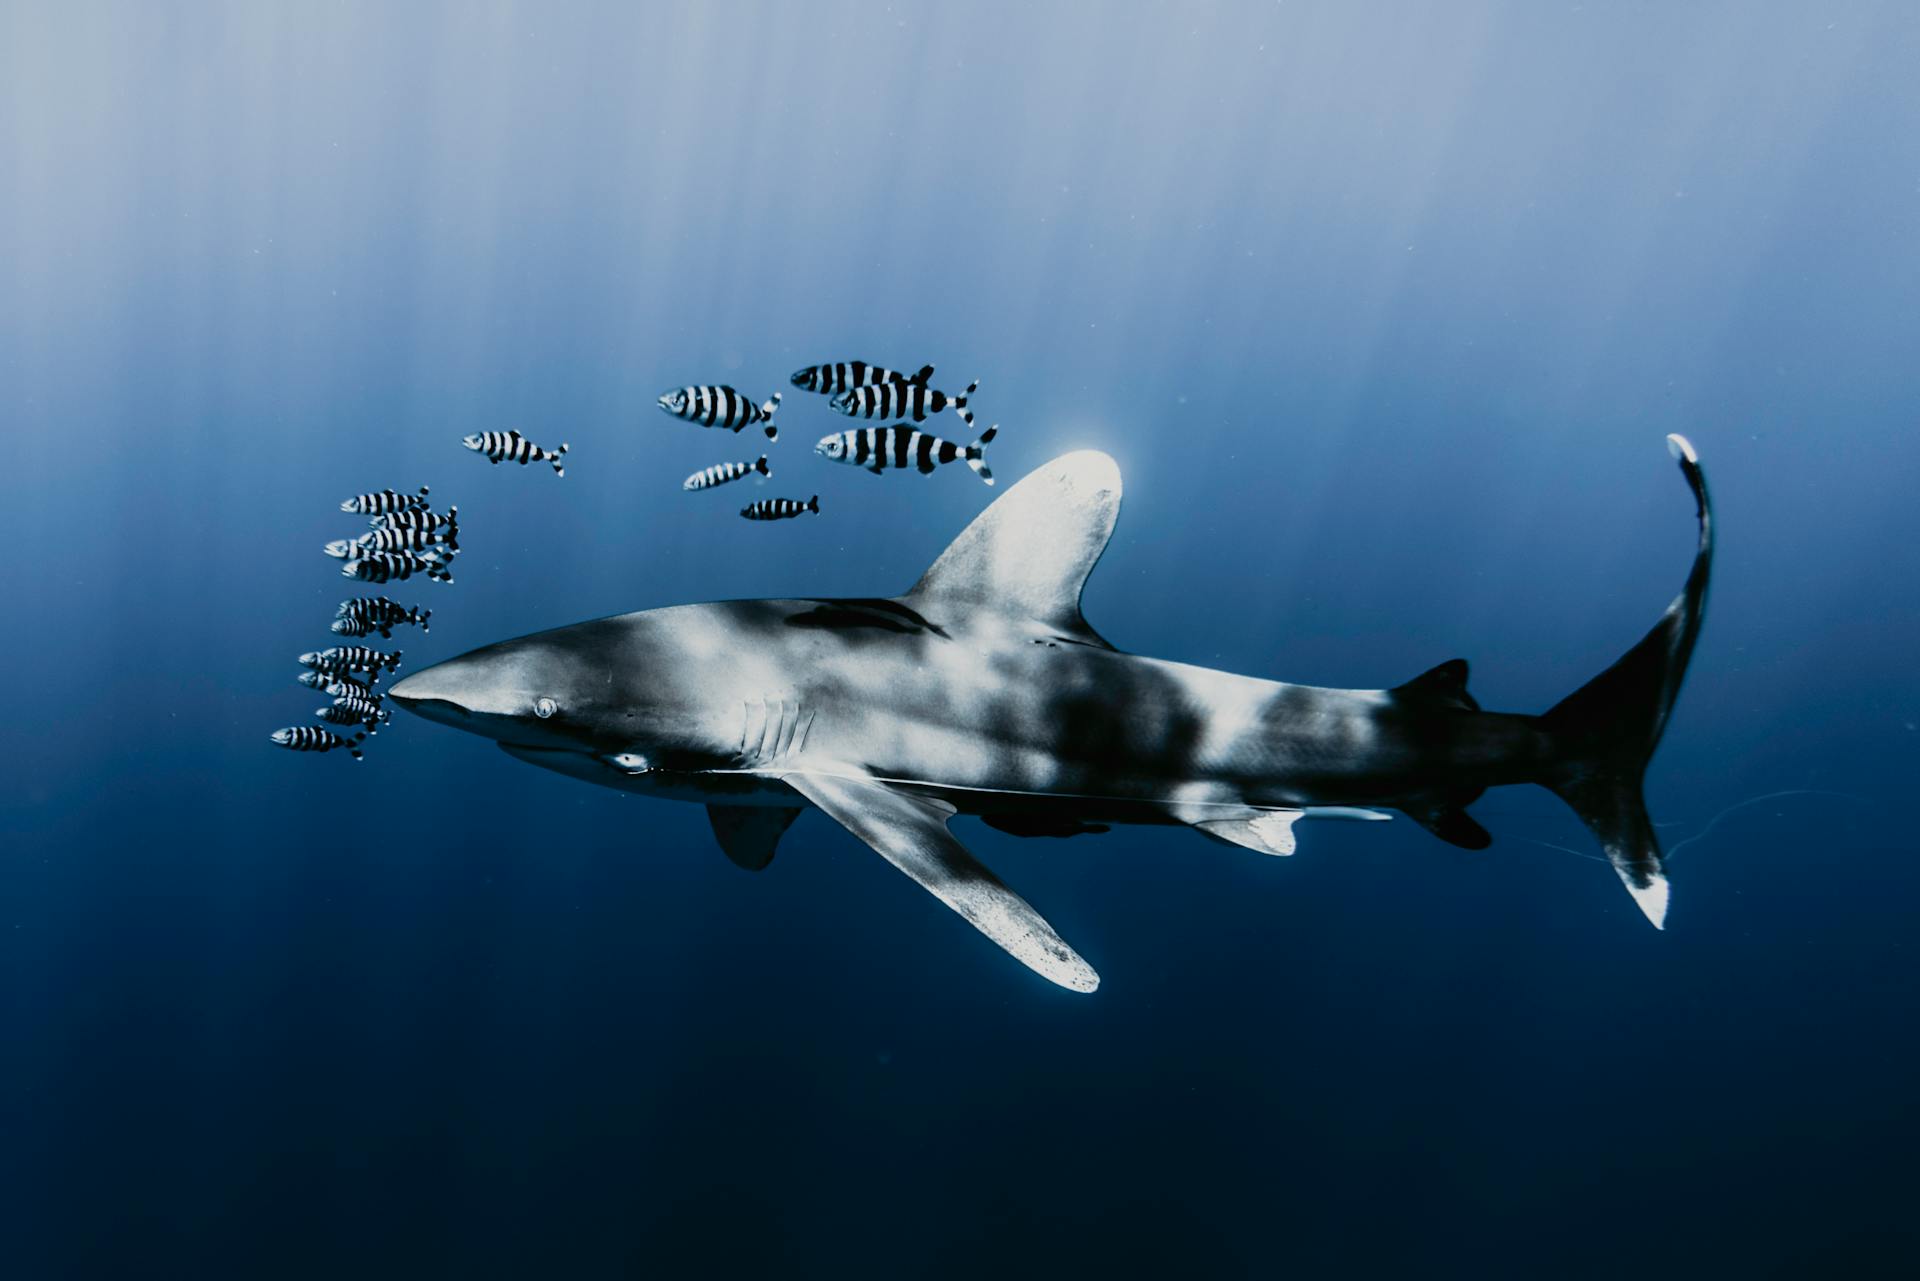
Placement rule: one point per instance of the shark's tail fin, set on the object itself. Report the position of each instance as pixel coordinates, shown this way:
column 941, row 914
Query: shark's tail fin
column 976, row 454
column 1605, row 732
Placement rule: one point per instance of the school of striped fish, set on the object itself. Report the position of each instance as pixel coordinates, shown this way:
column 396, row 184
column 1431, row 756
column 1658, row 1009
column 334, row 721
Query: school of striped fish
column 406, row 536
column 856, row 389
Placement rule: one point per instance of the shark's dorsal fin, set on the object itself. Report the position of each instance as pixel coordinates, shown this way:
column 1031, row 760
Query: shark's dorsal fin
column 1445, row 684
column 1029, row 554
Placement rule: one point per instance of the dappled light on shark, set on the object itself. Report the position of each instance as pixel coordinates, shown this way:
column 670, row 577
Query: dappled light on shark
column 984, row 691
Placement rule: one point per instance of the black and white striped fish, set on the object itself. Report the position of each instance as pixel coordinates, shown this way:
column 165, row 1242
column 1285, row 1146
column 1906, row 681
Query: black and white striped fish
column 387, row 500
column 378, row 614
column 512, row 447
column 352, row 658
column 418, row 518
column 348, row 708
column 721, row 473
column 779, row 508
column 332, row 684
column 878, row 448
column 311, row 738
column 721, row 407
column 395, row 540
column 848, row 374
column 385, row 567
column 903, row 400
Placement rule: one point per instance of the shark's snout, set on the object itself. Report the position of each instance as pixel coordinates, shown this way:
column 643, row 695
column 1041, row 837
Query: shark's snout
column 427, row 694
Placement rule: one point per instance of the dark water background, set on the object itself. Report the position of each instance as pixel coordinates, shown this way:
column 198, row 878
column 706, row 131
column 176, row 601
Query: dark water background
column 1383, row 309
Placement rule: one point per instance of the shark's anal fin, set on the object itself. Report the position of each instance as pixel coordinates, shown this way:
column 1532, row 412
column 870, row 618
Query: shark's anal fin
column 910, row 831
column 1029, row 554
column 749, row 834
column 1453, row 825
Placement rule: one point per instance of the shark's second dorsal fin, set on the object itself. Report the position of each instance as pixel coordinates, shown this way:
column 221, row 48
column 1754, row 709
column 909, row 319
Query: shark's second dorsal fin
column 1029, row 554
column 1445, row 684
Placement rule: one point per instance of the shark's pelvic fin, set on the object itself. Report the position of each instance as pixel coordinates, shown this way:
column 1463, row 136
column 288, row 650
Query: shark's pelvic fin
column 910, row 832
column 749, row 834
column 1268, row 832
column 1029, row 554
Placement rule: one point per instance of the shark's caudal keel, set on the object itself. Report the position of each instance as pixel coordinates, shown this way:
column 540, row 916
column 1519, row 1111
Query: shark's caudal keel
column 983, row 691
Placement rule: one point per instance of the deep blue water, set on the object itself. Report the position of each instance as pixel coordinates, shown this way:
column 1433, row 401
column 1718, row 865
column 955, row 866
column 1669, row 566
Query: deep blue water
column 1383, row 310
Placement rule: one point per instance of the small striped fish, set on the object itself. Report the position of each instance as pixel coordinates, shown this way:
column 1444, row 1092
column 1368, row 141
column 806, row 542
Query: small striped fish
column 512, row 447
column 349, row 708
column 386, row 500
column 383, row 567
column 378, row 614
column 721, row 473
column 878, row 448
column 332, row 684
column 311, row 738
column 394, row 540
column 779, row 508
column 721, row 407
column 903, row 400
column 351, row 658
column 418, row 518
column 849, row 374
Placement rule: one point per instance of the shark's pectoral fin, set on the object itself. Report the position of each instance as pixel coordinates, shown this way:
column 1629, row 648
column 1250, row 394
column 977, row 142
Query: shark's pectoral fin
column 910, row 832
column 1268, row 831
column 749, row 834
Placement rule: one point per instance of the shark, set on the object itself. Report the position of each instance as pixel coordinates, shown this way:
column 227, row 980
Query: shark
column 984, row 691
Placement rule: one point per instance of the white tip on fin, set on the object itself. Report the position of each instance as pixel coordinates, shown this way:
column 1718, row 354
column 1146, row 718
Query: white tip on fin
column 1270, row 832
column 1680, row 447
column 1652, row 897
column 910, row 831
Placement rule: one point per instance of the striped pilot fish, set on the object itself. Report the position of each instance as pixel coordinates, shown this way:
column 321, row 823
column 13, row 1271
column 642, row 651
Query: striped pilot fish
column 384, row 567
column 779, row 508
column 849, row 374
column 721, row 473
column 721, row 407
column 349, row 708
column 385, row 501
column 903, row 400
column 332, row 684
column 312, row 738
column 878, row 448
column 351, row 658
column 378, row 614
column 393, row 540
column 418, row 518
column 512, row 447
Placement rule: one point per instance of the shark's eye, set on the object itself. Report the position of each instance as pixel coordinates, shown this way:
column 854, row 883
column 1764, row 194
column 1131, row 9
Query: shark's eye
column 544, row 707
